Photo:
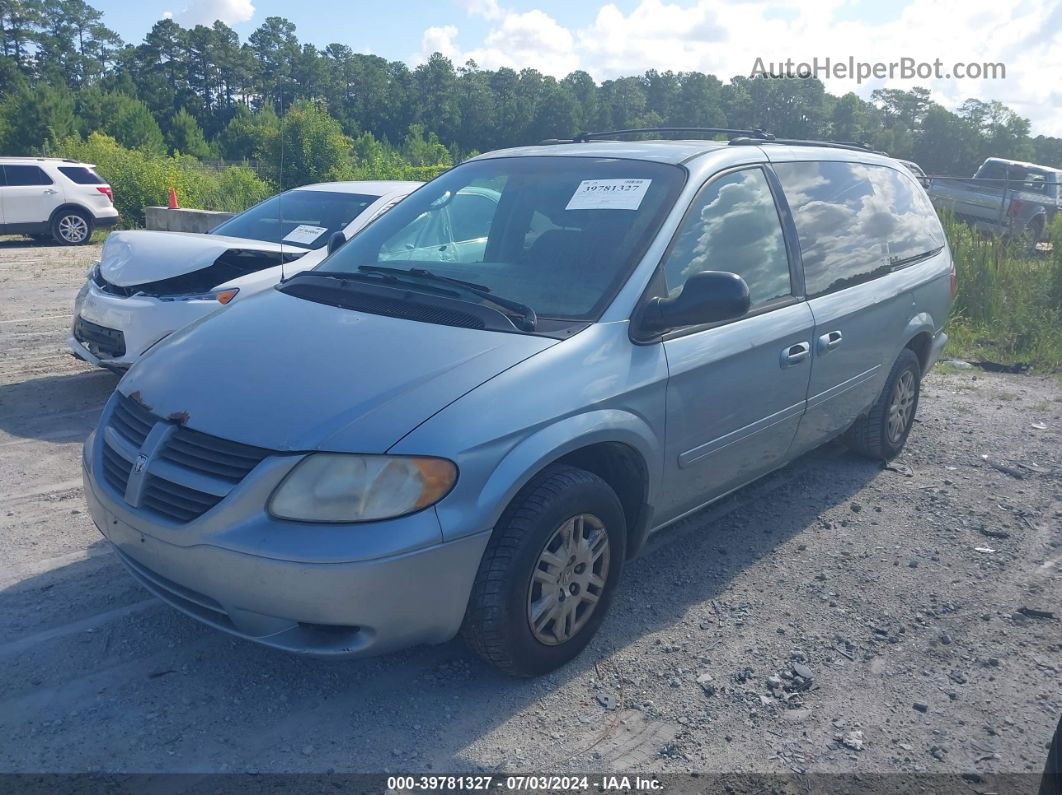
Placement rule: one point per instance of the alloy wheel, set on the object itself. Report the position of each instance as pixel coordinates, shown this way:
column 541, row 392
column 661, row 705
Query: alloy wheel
column 73, row 228
column 901, row 406
column 568, row 579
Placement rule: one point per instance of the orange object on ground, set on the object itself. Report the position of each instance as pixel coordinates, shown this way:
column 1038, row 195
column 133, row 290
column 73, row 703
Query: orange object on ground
column 173, row 200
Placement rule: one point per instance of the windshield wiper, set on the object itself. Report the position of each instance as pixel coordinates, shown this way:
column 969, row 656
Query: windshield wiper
column 904, row 262
column 525, row 314
column 425, row 274
column 373, row 278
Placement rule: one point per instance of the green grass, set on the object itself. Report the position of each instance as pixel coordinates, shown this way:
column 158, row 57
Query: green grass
column 1009, row 303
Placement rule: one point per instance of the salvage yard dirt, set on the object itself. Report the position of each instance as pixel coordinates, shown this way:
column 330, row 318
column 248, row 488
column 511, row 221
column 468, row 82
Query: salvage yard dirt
column 837, row 616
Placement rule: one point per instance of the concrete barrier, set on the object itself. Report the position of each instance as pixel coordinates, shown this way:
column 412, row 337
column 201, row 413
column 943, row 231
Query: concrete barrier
column 167, row 220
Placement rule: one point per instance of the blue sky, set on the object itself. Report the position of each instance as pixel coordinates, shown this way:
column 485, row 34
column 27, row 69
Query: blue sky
column 383, row 28
column 724, row 37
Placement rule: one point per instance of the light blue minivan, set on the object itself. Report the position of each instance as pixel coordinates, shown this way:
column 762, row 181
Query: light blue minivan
column 469, row 416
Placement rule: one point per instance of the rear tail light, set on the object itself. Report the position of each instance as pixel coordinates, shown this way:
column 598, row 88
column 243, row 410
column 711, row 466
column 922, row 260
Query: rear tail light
column 1016, row 206
column 954, row 279
column 106, row 191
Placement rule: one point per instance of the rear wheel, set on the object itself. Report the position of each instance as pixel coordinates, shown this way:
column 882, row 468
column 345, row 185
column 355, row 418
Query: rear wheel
column 72, row 228
column 548, row 574
column 1033, row 233
column 883, row 431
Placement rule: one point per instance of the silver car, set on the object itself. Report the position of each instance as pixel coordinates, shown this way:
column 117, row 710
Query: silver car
column 472, row 414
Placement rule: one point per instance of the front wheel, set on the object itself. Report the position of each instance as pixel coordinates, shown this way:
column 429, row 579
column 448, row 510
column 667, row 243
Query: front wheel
column 71, row 228
column 883, row 431
column 548, row 574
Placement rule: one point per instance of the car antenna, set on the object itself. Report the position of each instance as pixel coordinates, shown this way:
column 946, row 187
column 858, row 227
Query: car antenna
column 280, row 183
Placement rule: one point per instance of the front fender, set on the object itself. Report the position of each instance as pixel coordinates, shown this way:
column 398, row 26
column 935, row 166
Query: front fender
column 561, row 438
column 481, row 508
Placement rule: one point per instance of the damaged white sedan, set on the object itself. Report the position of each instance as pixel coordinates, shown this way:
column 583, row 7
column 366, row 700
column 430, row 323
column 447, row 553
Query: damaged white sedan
column 148, row 284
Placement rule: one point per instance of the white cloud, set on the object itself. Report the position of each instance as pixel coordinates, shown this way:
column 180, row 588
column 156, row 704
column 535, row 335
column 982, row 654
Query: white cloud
column 439, row 39
column 205, row 12
column 518, row 40
column 663, row 35
column 482, row 8
column 725, row 38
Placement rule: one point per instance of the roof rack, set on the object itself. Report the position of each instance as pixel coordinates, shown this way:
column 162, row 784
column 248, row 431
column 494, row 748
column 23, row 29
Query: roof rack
column 753, row 137
column 587, row 137
column 851, row 145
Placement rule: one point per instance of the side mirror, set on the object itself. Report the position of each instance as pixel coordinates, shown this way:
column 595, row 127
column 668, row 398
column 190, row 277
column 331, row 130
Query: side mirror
column 336, row 241
column 706, row 297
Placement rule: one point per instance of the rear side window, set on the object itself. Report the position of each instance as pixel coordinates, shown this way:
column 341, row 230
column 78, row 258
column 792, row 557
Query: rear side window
column 856, row 222
column 25, row 175
column 81, row 175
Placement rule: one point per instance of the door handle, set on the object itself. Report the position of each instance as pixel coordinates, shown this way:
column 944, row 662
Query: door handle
column 827, row 342
column 50, row 191
column 795, row 354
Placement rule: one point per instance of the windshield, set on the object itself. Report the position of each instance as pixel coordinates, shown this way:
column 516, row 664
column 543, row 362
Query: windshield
column 302, row 218
column 557, row 234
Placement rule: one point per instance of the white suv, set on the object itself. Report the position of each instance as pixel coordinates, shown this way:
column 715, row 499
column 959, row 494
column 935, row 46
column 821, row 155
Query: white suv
column 48, row 197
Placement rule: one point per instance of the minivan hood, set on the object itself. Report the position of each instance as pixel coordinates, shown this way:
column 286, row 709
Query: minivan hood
column 285, row 373
column 138, row 256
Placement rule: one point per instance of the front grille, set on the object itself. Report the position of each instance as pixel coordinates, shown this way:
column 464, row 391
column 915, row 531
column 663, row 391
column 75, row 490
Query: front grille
column 175, row 501
column 184, row 478
column 132, row 420
column 210, row 455
column 115, row 469
column 99, row 339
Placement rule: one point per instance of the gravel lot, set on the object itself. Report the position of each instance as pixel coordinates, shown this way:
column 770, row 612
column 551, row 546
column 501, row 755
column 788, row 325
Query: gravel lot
column 835, row 617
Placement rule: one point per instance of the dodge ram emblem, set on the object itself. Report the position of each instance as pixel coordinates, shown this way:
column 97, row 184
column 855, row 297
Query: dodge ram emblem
column 141, row 462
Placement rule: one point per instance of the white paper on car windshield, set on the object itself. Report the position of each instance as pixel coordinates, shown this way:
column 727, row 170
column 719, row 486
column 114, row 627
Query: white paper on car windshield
column 305, row 234
column 609, row 194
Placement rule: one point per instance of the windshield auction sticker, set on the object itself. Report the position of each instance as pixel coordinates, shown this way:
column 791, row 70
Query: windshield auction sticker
column 305, row 234
column 609, row 194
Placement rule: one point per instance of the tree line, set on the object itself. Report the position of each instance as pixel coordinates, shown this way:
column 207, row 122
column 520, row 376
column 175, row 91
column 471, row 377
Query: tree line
column 202, row 92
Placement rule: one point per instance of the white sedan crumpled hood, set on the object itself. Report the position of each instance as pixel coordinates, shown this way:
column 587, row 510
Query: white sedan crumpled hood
column 140, row 256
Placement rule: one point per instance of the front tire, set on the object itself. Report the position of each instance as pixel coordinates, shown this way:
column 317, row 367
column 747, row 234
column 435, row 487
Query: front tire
column 548, row 574
column 883, row 431
column 72, row 228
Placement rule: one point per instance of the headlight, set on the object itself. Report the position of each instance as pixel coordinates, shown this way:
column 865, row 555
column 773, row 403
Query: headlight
column 337, row 487
column 94, row 272
column 221, row 296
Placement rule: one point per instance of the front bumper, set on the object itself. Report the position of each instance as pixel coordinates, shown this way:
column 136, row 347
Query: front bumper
column 341, row 595
column 142, row 321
